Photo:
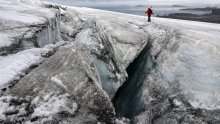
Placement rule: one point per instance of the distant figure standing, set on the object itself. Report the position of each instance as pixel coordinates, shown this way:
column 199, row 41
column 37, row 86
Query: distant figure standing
column 149, row 12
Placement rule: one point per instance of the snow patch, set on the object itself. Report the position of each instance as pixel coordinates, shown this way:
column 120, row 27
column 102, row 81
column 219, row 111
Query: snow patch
column 4, row 105
column 55, row 79
column 122, row 121
column 20, row 17
column 4, row 40
column 54, row 105
column 14, row 65
column 176, row 102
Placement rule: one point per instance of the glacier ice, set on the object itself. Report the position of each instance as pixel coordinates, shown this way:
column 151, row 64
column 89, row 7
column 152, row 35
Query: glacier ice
column 116, row 68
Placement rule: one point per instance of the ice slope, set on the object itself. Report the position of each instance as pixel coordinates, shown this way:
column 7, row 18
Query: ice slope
column 180, row 71
column 195, row 62
column 15, row 66
column 190, row 56
column 69, row 71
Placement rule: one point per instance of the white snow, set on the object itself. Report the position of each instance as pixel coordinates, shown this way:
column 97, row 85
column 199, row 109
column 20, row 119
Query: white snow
column 54, row 105
column 29, row 12
column 122, row 121
column 4, row 40
column 195, row 63
column 4, row 106
column 14, row 65
column 21, row 17
column 55, row 79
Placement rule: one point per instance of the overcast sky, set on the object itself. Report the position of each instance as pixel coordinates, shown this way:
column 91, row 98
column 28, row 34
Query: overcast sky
column 139, row 2
column 188, row 1
column 176, row 1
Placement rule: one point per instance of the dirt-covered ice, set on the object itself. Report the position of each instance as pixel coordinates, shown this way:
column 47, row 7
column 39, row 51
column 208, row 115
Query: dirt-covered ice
column 111, row 66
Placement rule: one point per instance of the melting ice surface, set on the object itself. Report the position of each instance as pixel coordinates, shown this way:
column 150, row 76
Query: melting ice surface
column 188, row 64
column 190, row 58
column 194, row 63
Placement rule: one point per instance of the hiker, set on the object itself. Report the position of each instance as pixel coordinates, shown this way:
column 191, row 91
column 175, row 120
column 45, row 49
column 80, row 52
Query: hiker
column 149, row 12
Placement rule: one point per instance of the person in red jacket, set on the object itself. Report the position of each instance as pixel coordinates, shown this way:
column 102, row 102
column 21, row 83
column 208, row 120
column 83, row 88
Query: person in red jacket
column 149, row 12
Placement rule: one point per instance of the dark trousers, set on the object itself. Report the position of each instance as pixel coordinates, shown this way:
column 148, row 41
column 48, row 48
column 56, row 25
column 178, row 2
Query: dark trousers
column 149, row 19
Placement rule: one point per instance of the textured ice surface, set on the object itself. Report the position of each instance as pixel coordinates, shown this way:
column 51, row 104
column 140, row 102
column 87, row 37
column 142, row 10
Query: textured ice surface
column 177, row 72
column 71, row 71
column 45, row 108
column 15, row 65
column 54, row 104
column 112, row 50
column 27, row 22
column 4, row 40
column 194, row 62
column 182, row 64
column 190, row 57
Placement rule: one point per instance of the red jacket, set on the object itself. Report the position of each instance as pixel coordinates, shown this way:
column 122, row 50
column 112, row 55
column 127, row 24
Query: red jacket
column 149, row 12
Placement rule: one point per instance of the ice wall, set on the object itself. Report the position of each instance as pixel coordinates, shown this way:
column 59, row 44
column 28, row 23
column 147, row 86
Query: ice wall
column 51, row 33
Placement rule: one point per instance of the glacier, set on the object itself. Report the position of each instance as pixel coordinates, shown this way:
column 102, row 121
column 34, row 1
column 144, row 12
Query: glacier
column 64, row 64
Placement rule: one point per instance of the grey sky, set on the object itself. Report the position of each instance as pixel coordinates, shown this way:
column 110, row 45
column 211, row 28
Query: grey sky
column 188, row 1
column 139, row 2
column 175, row 1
